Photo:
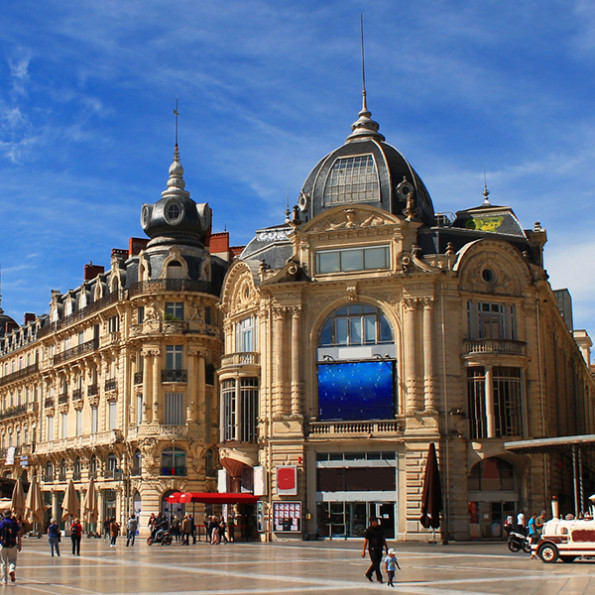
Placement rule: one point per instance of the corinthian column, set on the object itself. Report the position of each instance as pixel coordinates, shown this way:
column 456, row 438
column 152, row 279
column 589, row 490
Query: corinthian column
column 279, row 362
column 430, row 400
column 295, row 361
column 156, row 392
column 192, row 386
column 147, row 386
column 413, row 400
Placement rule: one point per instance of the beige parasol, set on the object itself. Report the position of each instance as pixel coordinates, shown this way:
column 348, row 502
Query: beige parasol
column 34, row 506
column 18, row 499
column 90, row 511
column 70, row 505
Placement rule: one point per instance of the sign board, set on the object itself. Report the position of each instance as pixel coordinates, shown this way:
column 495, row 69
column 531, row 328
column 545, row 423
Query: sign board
column 287, row 480
column 287, row 517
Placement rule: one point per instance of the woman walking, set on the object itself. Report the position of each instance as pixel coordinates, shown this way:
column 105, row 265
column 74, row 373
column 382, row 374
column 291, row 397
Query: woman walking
column 114, row 531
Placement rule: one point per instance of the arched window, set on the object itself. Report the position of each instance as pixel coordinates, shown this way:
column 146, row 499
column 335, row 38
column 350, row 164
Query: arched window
column 77, row 469
column 93, row 466
column 49, row 472
column 492, row 475
column 354, row 325
column 173, row 462
column 112, row 465
column 137, row 463
column 62, row 470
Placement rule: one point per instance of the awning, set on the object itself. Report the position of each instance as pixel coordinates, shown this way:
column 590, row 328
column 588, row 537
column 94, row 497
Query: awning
column 550, row 444
column 213, row 498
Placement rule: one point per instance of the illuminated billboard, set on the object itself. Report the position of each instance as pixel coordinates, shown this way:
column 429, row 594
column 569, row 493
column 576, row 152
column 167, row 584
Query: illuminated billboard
column 356, row 390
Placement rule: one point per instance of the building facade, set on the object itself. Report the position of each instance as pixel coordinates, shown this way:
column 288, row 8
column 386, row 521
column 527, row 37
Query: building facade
column 117, row 382
column 366, row 327
column 316, row 368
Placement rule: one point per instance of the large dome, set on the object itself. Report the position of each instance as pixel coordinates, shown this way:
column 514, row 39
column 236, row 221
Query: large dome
column 365, row 170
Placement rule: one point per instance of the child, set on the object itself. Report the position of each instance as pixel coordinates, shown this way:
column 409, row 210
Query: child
column 391, row 566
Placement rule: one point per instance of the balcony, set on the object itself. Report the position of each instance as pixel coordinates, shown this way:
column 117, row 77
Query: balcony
column 77, row 351
column 138, row 378
column 77, row 394
column 243, row 358
column 174, row 375
column 14, row 411
column 48, row 403
column 19, row 374
column 362, row 429
column 47, row 477
column 494, row 346
column 177, row 285
column 110, row 384
column 76, row 476
column 62, row 398
column 92, row 390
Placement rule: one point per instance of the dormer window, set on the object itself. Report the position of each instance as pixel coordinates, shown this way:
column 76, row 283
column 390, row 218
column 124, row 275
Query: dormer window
column 352, row 180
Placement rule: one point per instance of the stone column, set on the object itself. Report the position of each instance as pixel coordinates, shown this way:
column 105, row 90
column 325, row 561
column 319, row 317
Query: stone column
column 295, row 361
column 147, row 385
column 192, row 386
column 430, row 400
column 490, row 417
column 413, row 403
column 156, row 388
column 279, row 362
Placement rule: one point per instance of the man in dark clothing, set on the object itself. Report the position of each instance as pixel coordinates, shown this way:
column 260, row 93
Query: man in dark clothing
column 375, row 541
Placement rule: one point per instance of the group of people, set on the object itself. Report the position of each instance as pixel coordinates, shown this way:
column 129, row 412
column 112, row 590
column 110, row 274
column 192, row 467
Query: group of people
column 218, row 530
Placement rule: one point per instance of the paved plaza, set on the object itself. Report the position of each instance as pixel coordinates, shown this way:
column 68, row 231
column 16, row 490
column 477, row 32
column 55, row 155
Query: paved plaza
column 288, row 567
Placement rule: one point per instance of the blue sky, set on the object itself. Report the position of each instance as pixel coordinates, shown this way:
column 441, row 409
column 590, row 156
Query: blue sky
column 265, row 90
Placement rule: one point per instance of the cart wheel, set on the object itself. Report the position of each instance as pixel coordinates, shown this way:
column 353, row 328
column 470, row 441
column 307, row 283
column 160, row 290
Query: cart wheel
column 548, row 552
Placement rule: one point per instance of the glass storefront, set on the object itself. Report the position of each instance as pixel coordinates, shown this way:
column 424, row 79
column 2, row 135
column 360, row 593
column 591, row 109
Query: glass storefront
column 351, row 519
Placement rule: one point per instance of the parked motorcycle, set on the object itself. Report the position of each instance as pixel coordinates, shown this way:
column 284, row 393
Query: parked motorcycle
column 518, row 541
column 161, row 536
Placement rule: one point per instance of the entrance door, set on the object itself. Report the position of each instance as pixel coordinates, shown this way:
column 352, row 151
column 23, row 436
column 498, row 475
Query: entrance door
column 109, row 504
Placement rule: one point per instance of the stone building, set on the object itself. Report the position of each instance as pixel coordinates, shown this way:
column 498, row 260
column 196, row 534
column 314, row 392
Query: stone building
column 367, row 326
column 117, row 382
column 317, row 367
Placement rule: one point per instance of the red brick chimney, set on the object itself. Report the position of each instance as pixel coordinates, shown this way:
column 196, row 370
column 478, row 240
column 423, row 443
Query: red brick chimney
column 92, row 270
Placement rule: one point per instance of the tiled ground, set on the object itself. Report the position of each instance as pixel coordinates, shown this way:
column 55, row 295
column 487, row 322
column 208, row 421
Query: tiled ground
column 288, row 567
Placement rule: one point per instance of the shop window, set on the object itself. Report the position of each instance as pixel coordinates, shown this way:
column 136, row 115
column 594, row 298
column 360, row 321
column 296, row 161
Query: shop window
column 240, row 409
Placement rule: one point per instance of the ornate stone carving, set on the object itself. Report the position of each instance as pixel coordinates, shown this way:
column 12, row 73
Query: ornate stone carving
column 351, row 219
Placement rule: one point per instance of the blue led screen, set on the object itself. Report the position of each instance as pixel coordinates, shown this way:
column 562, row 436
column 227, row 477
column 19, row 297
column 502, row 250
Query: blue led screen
column 356, row 390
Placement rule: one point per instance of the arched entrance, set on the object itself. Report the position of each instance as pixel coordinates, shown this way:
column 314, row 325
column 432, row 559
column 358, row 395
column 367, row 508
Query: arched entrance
column 493, row 495
column 171, row 509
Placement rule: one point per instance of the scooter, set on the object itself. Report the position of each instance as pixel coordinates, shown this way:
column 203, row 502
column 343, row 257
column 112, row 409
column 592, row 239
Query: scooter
column 518, row 541
column 161, row 536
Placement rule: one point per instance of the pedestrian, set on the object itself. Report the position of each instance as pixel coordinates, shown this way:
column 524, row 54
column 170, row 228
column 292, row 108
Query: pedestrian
column 375, row 541
column 231, row 523
column 106, row 526
column 54, row 537
column 151, row 523
column 392, row 564
column 186, row 530
column 131, row 527
column 521, row 523
column 114, row 531
column 10, row 545
column 76, row 530
column 192, row 529
column 215, row 535
column 222, row 530
column 175, row 528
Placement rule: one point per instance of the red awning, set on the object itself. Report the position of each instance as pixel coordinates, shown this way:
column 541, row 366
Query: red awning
column 212, row 498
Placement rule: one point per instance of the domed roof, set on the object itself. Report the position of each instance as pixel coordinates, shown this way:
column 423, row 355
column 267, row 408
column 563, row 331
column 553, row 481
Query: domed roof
column 6, row 323
column 367, row 170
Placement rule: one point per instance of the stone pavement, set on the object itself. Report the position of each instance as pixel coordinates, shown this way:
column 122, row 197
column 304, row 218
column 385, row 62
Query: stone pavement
column 288, row 567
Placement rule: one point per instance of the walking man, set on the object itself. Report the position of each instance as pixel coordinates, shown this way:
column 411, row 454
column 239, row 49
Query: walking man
column 10, row 544
column 375, row 541
column 131, row 527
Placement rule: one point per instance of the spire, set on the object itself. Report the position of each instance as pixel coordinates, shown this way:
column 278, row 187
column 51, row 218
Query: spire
column 364, row 125
column 486, row 192
column 175, row 183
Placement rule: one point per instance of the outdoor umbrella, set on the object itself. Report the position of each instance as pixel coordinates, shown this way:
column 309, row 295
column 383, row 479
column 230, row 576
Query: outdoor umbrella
column 90, row 511
column 18, row 499
column 34, row 506
column 70, row 505
column 431, row 500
